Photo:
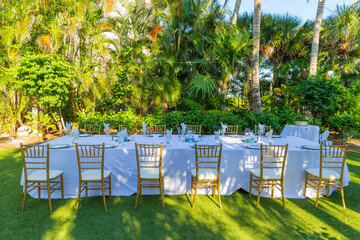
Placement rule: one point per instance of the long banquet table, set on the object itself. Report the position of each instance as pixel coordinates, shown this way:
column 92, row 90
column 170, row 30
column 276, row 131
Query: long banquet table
column 179, row 159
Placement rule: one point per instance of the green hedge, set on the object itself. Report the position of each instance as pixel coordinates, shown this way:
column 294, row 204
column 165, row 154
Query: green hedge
column 210, row 120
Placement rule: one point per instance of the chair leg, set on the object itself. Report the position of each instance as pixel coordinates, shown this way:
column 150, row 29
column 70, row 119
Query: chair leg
column 39, row 191
column 306, row 178
column 110, row 187
column 137, row 194
column 272, row 190
column 49, row 197
column 327, row 189
column 259, row 193
column 250, row 186
column 218, row 190
column 192, row 187
column 62, row 187
column 103, row 194
column 342, row 195
column 282, row 194
column 318, row 193
column 78, row 199
column 196, row 187
column 24, row 198
column 162, row 191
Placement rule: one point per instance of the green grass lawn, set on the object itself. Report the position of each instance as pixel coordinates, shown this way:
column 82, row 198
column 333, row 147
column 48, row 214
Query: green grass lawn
column 238, row 220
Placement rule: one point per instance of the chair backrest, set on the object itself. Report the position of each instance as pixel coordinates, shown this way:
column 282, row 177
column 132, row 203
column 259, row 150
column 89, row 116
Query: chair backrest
column 157, row 129
column 35, row 157
column 266, row 129
column 195, row 128
column 232, row 129
column 149, row 156
column 90, row 157
column 208, row 157
column 333, row 157
column 92, row 128
column 273, row 157
column 131, row 129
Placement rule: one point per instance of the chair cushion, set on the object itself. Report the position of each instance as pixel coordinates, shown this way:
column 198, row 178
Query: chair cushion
column 149, row 173
column 267, row 173
column 326, row 173
column 205, row 173
column 94, row 175
column 40, row 175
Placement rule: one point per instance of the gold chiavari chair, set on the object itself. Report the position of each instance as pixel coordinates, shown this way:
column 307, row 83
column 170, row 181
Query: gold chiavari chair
column 195, row 128
column 37, row 174
column 330, row 173
column 266, row 129
column 157, row 129
column 131, row 129
column 149, row 165
column 92, row 175
column 232, row 129
column 207, row 171
column 92, row 128
column 271, row 172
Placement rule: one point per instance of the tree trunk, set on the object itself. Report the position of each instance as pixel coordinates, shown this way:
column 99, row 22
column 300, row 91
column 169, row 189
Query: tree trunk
column 316, row 37
column 255, row 69
column 236, row 12
column 275, row 77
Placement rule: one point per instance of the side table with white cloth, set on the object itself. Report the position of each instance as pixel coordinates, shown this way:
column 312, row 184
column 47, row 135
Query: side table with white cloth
column 308, row 132
column 179, row 159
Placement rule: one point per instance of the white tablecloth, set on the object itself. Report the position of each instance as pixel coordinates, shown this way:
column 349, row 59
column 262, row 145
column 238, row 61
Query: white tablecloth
column 308, row 132
column 178, row 160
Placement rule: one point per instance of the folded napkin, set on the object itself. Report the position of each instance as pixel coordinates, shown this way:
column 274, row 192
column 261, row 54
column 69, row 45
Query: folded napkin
column 269, row 134
column 144, row 128
column 107, row 128
column 169, row 133
column 183, row 127
column 76, row 133
column 68, row 128
column 261, row 128
column 223, row 127
column 324, row 136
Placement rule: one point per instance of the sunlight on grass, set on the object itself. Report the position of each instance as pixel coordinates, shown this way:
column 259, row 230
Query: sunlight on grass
column 63, row 218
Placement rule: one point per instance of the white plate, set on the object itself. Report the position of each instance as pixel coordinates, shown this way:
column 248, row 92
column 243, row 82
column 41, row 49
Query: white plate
column 253, row 146
column 109, row 146
column 59, row 146
column 234, row 136
column 84, row 135
column 312, row 147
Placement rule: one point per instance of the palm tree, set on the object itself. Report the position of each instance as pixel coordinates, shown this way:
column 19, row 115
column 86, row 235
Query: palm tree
column 316, row 37
column 342, row 29
column 282, row 39
column 255, row 70
column 236, row 12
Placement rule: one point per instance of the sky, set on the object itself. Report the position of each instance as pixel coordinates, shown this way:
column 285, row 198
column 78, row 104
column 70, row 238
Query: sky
column 301, row 8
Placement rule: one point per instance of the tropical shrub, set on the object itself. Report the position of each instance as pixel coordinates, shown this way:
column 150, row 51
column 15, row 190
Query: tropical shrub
column 209, row 119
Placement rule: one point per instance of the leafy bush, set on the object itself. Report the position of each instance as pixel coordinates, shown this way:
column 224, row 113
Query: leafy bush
column 210, row 119
column 343, row 123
